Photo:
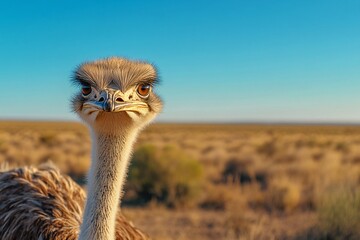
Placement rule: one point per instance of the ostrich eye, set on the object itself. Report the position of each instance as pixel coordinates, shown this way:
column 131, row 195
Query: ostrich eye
column 86, row 90
column 143, row 89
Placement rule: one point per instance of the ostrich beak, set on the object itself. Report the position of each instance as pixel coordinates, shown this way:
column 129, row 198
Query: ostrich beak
column 129, row 106
column 114, row 101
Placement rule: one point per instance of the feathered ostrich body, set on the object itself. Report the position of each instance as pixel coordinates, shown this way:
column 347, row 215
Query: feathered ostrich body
column 43, row 204
column 116, row 101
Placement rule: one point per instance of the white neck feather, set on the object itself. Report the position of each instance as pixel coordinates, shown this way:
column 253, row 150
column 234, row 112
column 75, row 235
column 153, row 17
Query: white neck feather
column 110, row 157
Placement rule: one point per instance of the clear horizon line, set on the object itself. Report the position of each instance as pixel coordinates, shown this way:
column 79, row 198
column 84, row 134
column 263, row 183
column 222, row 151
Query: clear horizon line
column 241, row 122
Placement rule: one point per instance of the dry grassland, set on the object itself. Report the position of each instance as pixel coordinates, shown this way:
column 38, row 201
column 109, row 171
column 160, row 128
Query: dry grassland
column 260, row 181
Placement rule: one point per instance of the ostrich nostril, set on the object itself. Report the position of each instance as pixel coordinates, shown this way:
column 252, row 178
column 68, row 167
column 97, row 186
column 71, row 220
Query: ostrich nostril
column 101, row 99
column 119, row 99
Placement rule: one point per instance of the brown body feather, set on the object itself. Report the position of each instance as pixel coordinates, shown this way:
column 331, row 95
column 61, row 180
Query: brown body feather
column 42, row 204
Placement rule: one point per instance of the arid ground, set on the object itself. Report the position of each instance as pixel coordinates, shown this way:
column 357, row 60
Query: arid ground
column 257, row 181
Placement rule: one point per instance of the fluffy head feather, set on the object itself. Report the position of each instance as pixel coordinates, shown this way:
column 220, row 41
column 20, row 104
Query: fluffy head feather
column 120, row 72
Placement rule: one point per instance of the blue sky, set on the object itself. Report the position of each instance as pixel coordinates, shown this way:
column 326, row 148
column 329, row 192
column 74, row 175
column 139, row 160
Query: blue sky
column 224, row 61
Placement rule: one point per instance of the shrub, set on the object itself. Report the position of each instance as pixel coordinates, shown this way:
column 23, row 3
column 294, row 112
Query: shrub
column 236, row 171
column 283, row 195
column 222, row 197
column 48, row 139
column 241, row 170
column 268, row 148
column 165, row 175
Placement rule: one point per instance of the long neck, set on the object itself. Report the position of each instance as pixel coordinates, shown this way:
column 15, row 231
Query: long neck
column 110, row 157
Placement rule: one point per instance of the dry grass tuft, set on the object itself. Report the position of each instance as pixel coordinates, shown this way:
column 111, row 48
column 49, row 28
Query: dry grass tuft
column 339, row 213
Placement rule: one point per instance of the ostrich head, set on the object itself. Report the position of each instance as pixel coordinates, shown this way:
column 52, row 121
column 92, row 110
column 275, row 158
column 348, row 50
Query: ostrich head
column 116, row 93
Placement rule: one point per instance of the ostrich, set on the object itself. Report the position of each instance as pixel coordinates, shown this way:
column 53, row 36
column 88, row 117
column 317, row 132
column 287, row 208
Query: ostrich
column 116, row 101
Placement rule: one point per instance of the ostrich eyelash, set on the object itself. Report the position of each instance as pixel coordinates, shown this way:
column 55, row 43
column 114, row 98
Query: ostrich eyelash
column 151, row 82
column 78, row 80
